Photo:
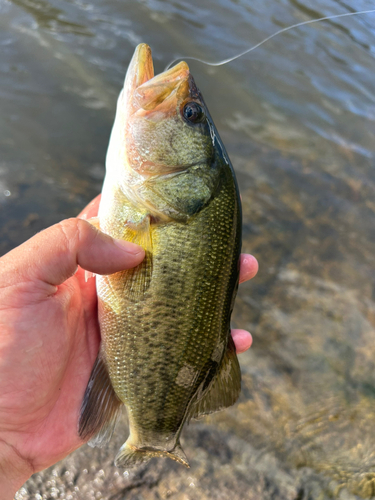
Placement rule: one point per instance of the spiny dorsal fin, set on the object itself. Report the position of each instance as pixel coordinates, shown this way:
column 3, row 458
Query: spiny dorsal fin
column 100, row 407
column 224, row 388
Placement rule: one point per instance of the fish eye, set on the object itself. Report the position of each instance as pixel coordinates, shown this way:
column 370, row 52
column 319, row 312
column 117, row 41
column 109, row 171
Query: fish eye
column 193, row 112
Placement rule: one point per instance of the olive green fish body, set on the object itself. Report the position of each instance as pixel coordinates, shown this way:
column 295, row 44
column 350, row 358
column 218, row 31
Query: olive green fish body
column 166, row 351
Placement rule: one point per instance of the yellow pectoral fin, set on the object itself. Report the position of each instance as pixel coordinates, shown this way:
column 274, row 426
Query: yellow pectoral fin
column 137, row 280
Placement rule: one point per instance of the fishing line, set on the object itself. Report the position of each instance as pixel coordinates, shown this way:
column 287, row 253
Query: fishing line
column 283, row 30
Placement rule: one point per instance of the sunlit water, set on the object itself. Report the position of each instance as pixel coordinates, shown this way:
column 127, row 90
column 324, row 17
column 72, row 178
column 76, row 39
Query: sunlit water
column 298, row 119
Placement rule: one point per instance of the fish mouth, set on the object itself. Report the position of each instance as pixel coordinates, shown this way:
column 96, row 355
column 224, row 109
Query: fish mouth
column 146, row 93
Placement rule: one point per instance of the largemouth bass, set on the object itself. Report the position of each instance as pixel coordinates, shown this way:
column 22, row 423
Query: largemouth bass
column 166, row 351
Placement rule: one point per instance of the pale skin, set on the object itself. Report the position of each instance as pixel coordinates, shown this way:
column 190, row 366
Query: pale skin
column 49, row 339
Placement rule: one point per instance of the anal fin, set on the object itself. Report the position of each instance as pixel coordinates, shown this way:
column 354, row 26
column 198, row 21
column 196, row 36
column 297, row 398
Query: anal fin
column 224, row 388
column 100, row 407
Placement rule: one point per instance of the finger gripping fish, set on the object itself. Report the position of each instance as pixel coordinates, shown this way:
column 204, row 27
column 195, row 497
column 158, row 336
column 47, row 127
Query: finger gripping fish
column 166, row 351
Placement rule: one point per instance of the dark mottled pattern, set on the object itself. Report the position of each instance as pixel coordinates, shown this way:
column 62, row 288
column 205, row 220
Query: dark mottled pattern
column 159, row 348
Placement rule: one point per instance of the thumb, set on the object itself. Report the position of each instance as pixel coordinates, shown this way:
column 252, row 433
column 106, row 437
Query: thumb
column 53, row 255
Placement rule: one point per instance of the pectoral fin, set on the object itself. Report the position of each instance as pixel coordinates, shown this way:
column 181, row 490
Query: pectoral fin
column 100, row 407
column 138, row 279
column 224, row 388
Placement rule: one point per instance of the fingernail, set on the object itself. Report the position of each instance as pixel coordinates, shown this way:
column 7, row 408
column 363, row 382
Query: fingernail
column 128, row 247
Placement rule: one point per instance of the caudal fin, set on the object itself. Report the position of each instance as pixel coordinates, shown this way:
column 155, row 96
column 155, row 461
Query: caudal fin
column 131, row 456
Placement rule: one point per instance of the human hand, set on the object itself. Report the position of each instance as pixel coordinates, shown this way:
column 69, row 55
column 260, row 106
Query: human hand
column 49, row 340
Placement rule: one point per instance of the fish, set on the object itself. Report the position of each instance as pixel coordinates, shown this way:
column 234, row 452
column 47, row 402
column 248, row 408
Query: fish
column 166, row 351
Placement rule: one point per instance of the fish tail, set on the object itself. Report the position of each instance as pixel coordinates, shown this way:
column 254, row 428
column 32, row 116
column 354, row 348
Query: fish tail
column 131, row 456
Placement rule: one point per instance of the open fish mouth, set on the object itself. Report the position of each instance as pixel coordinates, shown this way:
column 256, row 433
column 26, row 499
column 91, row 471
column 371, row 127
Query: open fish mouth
column 156, row 97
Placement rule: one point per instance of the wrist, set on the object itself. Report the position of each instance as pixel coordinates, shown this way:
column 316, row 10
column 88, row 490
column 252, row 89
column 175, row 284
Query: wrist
column 14, row 471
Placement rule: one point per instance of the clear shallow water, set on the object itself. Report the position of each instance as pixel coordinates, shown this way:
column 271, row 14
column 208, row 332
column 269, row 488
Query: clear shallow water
column 298, row 119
